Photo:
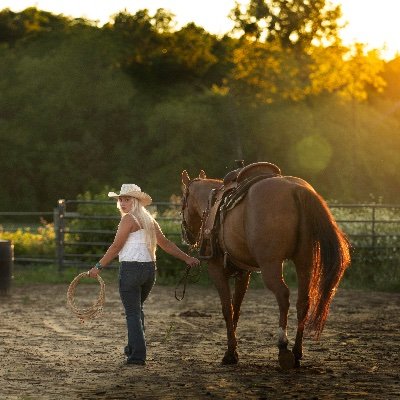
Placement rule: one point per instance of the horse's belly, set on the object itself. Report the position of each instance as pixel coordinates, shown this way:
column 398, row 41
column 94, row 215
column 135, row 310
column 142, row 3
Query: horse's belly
column 233, row 237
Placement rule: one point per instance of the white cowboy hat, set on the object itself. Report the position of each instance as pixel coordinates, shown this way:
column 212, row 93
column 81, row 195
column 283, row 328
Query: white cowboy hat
column 132, row 190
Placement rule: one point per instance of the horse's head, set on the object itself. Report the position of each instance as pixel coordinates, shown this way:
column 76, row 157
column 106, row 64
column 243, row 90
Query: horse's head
column 194, row 202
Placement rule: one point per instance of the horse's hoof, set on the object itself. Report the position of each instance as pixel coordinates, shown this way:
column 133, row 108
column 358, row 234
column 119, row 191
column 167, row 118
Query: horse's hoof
column 286, row 359
column 230, row 358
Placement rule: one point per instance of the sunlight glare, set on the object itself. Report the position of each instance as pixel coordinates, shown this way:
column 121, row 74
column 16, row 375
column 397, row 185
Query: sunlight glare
column 374, row 23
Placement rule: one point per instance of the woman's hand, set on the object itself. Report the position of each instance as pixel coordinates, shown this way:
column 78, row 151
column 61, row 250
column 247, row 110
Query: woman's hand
column 93, row 272
column 173, row 249
column 192, row 261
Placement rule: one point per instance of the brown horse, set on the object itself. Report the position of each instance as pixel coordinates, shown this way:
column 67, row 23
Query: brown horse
column 280, row 218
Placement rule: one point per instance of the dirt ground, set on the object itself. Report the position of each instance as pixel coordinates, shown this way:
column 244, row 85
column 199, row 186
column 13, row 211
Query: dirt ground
column 46, row 353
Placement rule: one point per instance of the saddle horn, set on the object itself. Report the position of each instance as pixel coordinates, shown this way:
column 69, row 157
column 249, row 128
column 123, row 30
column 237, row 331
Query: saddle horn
column 239, row 163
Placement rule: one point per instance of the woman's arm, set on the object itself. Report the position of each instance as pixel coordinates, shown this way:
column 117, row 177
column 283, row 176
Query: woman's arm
column 172, row 249
column 126, row 226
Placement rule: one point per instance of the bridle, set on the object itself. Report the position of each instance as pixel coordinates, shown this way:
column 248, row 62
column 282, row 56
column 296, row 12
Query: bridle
column 187, row 235
column 189, row 238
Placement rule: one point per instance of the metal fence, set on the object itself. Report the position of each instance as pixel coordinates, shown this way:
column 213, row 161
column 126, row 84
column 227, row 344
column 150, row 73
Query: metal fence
column 374, row 232
column 85, row 228
column 373, row 226
column 79, row 225
column 12, row 221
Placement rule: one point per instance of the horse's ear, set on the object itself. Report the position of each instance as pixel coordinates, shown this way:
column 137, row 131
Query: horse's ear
column 202, row 175
column 185, row 178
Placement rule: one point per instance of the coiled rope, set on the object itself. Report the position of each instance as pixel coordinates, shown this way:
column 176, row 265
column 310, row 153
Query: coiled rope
column 95, row 309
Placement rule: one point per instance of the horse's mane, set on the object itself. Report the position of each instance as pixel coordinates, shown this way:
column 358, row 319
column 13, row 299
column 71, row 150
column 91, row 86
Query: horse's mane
column 208, row 182
column 213, row 180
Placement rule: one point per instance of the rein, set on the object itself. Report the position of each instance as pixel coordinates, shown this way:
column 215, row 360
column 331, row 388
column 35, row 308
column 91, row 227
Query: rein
column 185, row 278
column 187, row 235
column 192, row 240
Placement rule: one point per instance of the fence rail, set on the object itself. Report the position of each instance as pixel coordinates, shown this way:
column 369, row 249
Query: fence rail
column 370, row 227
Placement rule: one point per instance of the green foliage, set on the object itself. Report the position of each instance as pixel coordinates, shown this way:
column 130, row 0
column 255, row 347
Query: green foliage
column 169, row 268
column 375, row 255
column 374, row 270
column 391, row 76
column 136, row 100
column 28, row 24
column 92, row 230
column 40, row 243
column 174, row 127
column 295, row 23
column 286, row 74
column 94, row 234
column 57, row 106
column 35, row 274
column 152, row 53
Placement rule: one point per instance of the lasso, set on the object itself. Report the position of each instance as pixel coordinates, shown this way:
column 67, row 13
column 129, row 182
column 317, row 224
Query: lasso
column 95, row 309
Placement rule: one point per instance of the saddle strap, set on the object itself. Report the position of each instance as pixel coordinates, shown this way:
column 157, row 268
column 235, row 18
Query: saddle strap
column 235, row 196
column 232, row 199
column 208, row 227
column 238, row 264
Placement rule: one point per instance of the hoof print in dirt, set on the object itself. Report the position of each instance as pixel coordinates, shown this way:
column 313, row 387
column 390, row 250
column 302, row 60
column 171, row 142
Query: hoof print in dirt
column 194, row 313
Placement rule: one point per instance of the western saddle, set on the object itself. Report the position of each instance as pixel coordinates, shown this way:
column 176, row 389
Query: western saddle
column 233, row 190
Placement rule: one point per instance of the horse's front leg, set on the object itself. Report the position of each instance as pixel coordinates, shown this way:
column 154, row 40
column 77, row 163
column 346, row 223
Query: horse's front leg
column 221, row 281
column 241, row 285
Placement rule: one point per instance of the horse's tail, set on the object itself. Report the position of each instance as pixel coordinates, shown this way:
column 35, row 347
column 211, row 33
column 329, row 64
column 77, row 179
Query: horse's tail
column 330, row 255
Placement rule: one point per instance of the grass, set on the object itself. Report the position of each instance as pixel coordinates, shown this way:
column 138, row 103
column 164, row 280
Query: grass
column 362, row 274
column 35, row 274
column 50, row 274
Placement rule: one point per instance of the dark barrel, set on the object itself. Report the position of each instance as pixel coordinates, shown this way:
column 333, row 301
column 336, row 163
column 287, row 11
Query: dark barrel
column 6, row 266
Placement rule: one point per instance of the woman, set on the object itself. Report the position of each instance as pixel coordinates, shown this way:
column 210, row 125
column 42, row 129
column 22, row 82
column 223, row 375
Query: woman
column 135, row 242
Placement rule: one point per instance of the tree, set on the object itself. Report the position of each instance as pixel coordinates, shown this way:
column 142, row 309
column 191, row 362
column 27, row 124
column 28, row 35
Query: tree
column 294, row 24
column 157, row 55
column 142, row 39
column 187, row 55
column 350, row 72
column 29, row 23
column 391, row 75
column 66, row 111
column 267, row 73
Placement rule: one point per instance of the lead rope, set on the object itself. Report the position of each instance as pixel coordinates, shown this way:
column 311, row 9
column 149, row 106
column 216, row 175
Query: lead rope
column 95, row 309
column 185, row 278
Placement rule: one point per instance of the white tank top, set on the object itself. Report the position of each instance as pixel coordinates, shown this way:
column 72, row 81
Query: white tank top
column 135, row 248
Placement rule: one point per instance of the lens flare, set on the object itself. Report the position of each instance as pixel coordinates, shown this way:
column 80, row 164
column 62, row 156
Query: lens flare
column 313, row 153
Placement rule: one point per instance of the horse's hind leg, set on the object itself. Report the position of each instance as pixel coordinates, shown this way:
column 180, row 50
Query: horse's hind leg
column 241, row 284
column 303, row 305
column 302, row 310
column 273, row 279
column 221, row 281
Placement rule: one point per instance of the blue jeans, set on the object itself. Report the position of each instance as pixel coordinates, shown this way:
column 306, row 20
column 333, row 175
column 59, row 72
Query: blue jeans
column 136, row 280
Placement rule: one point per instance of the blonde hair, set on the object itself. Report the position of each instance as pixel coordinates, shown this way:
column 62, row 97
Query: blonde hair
column 146, row 222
